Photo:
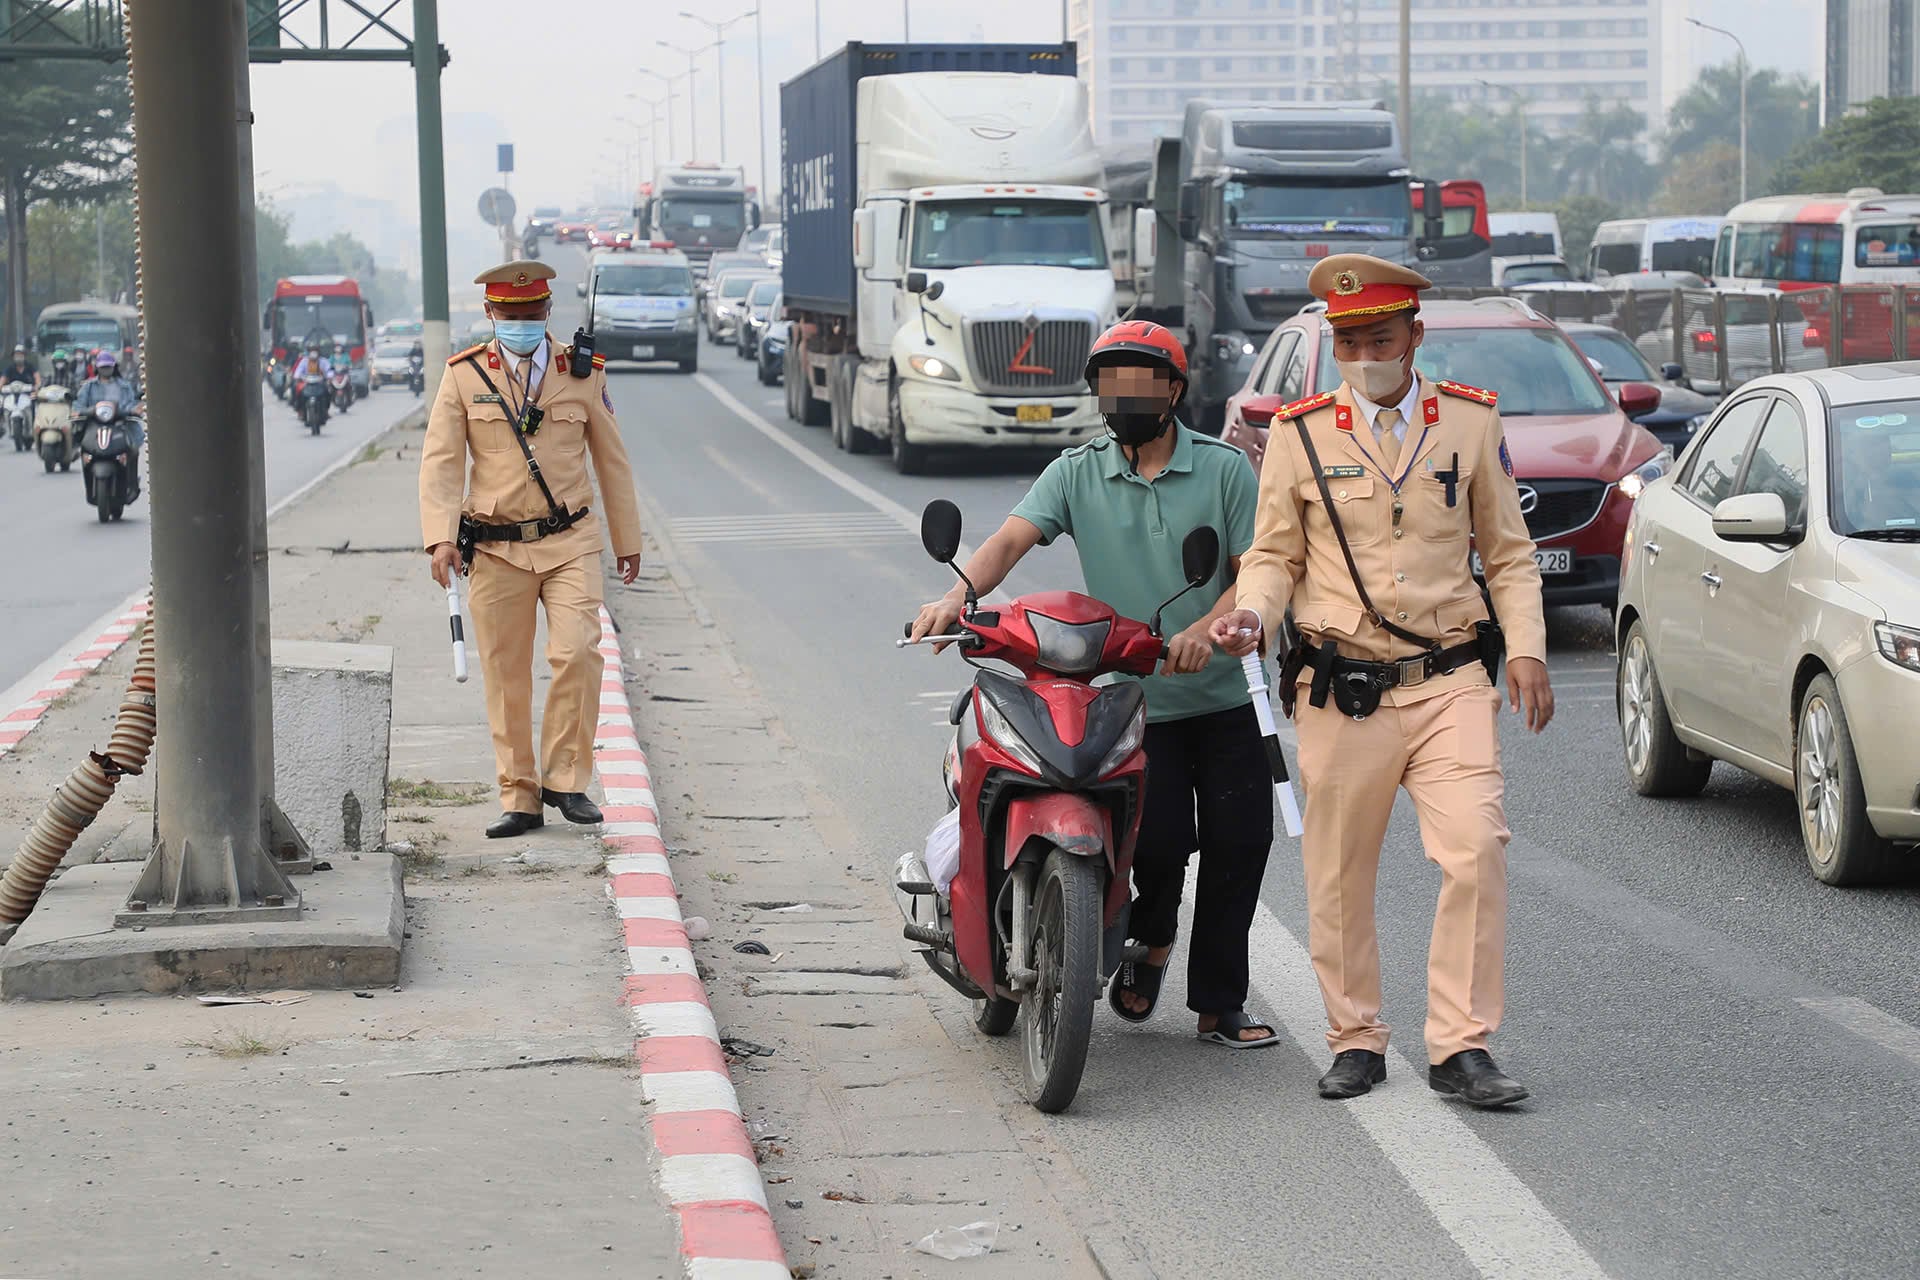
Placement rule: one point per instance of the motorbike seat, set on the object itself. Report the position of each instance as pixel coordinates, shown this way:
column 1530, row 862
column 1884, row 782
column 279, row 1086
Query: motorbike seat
column 961, row 701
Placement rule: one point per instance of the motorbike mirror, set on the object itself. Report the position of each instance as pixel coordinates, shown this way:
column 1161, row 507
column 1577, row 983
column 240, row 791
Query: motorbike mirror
column 940, row 530
column 1200, row 555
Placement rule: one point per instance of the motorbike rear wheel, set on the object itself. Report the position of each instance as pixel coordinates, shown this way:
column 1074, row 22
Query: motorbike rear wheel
column 1064, row 946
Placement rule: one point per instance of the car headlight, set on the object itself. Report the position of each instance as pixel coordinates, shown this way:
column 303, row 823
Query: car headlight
column 996, row 726
column 1696, row 422
column 1899, row 645
column 1635, row 482
column 685, row 324
column 1127, row 744
column 933, row 367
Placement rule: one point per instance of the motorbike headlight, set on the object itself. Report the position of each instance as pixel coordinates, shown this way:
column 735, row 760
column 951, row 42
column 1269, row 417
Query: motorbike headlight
column 1899, row 645
column 103, row 411
column 1127, row 743
column 933, row 367
column 1635, row 482
column 996, row 726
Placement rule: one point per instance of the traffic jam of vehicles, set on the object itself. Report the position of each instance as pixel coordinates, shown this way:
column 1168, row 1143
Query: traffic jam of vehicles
column 1707, row 440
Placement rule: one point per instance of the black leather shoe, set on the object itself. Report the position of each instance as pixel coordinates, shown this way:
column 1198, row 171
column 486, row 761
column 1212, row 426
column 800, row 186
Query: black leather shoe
column 1353, row 1073
column 513, row 823
column 573, row 806
column 1471, row 1074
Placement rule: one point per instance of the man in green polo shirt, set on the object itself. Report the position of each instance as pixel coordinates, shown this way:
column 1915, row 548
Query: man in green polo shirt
column 1128, row 501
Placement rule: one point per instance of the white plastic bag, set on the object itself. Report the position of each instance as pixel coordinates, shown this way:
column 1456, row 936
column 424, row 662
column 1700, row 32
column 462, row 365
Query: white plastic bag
column 943, row 850
column 975, row 1240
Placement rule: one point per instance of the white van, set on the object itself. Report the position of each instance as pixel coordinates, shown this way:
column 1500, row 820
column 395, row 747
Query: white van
column 1526, row 235
column 1631, row 245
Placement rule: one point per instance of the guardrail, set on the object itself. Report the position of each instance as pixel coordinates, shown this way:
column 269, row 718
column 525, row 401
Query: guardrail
column 1723, row 337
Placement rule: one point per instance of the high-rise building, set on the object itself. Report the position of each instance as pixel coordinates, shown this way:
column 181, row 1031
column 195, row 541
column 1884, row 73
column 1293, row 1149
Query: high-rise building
column 1873, row 51
column 1143, row 59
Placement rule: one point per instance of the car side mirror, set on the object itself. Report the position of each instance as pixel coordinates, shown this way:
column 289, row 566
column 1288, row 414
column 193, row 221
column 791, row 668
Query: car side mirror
column 916, row 282
column 940, row 530
column 1638, row 399
column 1751, row 517
column 1200, row 555
column 580, row 290
column 1672, row 372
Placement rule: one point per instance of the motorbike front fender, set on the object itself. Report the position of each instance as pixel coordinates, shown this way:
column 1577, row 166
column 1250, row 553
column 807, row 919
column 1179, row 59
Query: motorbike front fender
column 1071, row 821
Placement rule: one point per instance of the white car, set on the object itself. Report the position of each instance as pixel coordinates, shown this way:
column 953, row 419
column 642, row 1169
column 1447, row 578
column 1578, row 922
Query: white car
column 1769, row 611
column 390, row 366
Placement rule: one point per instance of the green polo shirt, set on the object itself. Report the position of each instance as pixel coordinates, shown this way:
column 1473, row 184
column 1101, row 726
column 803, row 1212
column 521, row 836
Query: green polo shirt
column 1128, row 532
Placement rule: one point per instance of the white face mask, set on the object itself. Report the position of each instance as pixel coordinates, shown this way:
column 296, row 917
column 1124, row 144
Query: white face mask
column 1374, row 379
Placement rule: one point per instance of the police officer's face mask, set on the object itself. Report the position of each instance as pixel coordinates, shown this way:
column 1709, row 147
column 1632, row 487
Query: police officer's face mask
column 1373, row 378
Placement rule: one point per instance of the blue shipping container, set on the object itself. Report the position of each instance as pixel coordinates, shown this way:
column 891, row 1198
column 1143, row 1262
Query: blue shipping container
column 817, row 152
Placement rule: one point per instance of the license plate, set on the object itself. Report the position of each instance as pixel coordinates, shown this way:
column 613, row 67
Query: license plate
column 1033, row 413
column 643, row 353
column 1550, row 560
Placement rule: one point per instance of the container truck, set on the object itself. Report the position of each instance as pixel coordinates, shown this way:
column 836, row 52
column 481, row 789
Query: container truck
column 1255, row 195
column 946, row 265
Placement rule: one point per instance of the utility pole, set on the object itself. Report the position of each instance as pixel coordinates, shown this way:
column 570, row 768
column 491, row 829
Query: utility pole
column 209, row 863
column 1740, row 64
column 1406, row 78
column 436, row 337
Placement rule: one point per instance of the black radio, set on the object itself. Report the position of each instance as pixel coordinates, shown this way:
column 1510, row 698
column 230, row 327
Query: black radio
column 581, row 366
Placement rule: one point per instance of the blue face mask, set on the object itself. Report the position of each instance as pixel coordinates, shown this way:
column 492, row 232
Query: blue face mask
column 522, row 337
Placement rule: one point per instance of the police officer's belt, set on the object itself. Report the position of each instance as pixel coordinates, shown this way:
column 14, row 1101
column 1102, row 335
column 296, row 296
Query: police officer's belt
column 525, row 530
column 1356, row 685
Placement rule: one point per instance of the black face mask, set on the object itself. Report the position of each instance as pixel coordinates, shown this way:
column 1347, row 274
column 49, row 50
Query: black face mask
column 1136, row 420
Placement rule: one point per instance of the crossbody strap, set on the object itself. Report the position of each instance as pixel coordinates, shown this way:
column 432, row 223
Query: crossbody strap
column 1340, row 535
column 519, row 437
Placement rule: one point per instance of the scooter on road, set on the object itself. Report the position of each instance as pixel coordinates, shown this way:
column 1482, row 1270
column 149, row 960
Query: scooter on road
column 16, row 401
column 55, row 438
column 1047, row 774
column 340, row 384
column 312, row 397
column 107, row 443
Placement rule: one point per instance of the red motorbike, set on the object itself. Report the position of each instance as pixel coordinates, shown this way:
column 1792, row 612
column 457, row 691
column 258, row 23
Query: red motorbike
column 1047, row 773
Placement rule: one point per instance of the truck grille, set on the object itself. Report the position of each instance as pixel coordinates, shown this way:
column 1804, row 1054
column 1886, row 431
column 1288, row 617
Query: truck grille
column 1057, row 346
column 1561, row 506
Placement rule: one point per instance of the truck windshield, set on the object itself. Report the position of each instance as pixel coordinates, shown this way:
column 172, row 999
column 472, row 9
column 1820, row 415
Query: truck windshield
column 649, row 281
column 1318, row 210
column 1014, row 233
column 681, row 213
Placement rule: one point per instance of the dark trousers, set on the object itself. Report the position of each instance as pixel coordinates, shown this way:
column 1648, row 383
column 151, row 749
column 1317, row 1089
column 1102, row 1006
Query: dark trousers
column 1208, row 790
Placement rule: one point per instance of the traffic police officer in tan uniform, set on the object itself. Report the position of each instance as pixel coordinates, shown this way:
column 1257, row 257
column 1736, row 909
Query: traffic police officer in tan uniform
column 1368, row 495
column 528, row 414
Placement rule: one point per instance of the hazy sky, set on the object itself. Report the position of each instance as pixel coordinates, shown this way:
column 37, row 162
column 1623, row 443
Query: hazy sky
column 553, row 79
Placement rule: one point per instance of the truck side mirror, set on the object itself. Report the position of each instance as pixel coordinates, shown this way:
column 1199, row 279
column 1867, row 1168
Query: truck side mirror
column 916, row 282
column 1192, row 195
column 863, row 241
column 1145, row 228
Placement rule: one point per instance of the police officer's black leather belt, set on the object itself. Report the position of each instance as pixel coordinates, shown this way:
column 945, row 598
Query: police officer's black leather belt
column 1356, row 685
column 558, row 520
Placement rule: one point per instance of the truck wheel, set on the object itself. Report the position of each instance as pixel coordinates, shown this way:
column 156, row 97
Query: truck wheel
column 908, row 459
column 859, row 439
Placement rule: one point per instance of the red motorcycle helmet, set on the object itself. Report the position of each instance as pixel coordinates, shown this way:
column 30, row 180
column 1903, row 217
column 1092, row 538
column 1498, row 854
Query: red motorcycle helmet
column 1138, row 342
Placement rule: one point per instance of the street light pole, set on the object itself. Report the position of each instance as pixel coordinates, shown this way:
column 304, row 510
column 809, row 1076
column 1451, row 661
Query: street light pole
column 760, row 108
column 1520, row 105
column 668, row 82
column 693, row 92
column 1406, row 77
column 1741, row 65
column 719, row 47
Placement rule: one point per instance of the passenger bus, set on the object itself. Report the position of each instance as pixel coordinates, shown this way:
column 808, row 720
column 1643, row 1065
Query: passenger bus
column 1629, row 246
column 327, row 310
column 86, row 327
column 1462, row 256
column 1800, row 243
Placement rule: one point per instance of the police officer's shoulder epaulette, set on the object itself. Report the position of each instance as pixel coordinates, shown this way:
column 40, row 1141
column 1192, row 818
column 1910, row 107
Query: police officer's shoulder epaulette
column 474, row 350
column 1308, row 405
column 599, row 361
column 1478, row 395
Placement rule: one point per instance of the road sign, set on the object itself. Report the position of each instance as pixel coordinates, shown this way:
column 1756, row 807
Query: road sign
column 506, row 157
column 496, row 206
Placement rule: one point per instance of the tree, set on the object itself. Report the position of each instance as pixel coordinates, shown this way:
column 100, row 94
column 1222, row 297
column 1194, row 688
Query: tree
column 390, row 293
column 1782, row 112
column 1579, row 215
column 1876, row 145
column 1600, row 154
column 65, row 133
column 1706, row 182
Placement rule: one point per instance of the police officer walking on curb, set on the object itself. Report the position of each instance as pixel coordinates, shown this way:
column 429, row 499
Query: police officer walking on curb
column 529, row 413
column 1368, row 496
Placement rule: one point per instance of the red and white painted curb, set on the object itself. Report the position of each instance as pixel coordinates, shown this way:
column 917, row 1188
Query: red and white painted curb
column 707, row 1166
column 22, row 720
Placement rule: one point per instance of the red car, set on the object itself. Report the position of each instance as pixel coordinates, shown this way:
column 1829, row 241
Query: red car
column 1580, row 460
column 609, row 236
column 569, row 229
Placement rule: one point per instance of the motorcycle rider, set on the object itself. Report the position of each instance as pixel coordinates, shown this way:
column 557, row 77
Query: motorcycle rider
column 312, row 365
column 23, row 369
column 63, row 368
column 107, row 384
column 1127, row 500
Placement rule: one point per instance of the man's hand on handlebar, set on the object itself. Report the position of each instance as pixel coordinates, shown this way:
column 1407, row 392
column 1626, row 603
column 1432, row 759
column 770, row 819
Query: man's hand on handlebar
column 937, row 618
column 1238, row 632
column 1187, row 652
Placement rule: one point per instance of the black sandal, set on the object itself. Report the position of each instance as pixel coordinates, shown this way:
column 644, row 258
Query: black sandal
column 1228, row 1026
column 1139, row 978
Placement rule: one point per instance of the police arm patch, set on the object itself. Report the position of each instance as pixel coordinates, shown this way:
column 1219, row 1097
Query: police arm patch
column 606, row 398
column 1506, row 459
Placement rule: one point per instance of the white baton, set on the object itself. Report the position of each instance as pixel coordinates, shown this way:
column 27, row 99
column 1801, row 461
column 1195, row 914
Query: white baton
column 1256, row 670
column 457, row 625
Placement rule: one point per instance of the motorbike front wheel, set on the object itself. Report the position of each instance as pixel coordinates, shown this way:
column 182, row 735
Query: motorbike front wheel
column 1064, row 943
column 995, row 1015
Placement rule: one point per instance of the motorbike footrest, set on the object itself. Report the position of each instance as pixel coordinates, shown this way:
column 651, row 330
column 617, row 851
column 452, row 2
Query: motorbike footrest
column 927, row 936
column 914, row 887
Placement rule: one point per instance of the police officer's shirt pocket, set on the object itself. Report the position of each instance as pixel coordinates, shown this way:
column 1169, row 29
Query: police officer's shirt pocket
column 1330, row 619
column 565, row 428
column 1427, row 507
column 1353, row 498
column 488, row 428
column 1453, row 621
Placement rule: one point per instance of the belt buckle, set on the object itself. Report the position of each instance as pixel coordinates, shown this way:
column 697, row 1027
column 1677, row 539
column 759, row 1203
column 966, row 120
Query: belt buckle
column 529, row 530
column 1412, row 672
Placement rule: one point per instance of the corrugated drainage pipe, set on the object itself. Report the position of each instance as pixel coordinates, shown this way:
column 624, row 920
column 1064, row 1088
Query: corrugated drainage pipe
column 85, row 792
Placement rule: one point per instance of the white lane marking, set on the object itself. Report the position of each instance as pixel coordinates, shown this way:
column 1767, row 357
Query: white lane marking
column 1867, row 1021
column 1489, row 1212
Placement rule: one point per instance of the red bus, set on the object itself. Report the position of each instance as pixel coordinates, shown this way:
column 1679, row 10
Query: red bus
column 327, row 310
